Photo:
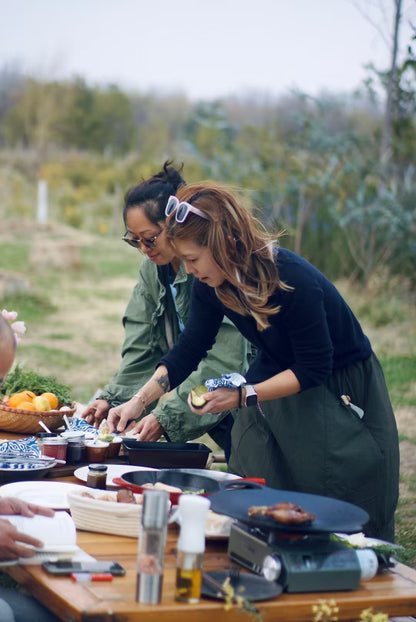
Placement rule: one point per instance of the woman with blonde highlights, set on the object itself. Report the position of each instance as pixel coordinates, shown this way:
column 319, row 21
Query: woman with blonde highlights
column 315, row 415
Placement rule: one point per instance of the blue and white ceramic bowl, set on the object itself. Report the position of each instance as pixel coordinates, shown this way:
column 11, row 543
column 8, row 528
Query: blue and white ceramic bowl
column 21, row 469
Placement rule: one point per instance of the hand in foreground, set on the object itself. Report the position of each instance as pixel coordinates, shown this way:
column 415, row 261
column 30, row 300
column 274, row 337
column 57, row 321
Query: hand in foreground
column 149, row 428
column 119, row 416
column 11, row 505
column 9, row 542
column 96, row 412
column 216, row 401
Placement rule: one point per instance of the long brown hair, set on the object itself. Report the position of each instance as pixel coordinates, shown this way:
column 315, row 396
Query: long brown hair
column 240, row 246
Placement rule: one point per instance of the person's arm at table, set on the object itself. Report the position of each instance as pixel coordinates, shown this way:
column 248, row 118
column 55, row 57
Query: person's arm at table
column 11, row 539
column 140, row 352
column 157, row 386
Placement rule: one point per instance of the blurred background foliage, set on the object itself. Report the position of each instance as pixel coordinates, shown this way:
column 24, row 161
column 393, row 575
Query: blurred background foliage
column 320, row 168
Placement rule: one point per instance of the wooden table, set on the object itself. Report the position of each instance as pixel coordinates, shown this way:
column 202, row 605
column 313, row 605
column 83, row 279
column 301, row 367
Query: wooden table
column 393, row 593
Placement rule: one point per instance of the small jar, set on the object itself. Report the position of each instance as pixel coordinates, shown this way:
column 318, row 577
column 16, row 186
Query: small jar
column 42, row 436
column 55, row 447
column 97, row 476
column 75, row 452
column 96, row 451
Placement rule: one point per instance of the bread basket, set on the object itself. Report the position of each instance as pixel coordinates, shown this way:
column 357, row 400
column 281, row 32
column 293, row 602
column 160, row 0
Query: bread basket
column 105, row 516
column 27, row 421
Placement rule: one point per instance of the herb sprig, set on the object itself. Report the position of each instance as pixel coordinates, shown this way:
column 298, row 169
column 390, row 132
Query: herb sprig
column 21, row 379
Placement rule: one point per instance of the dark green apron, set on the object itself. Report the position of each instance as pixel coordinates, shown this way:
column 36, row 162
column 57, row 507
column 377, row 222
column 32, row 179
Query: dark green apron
column 311, row 442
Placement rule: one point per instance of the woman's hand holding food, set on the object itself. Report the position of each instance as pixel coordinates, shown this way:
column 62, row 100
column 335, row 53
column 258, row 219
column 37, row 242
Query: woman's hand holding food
column 216, row 401
column 149, row 393
column 119, row 416
column 96, row 412
column 148, row 428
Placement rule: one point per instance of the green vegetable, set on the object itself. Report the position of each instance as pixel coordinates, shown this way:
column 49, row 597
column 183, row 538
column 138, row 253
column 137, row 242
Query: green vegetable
column 106, row 437
column 20, row 379
column 196, row 395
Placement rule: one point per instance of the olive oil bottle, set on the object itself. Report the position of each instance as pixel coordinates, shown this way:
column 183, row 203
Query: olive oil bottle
column 193, row 511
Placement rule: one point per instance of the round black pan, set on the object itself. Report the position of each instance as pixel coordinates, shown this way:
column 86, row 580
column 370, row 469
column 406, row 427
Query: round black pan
column 134, row 480
column 332, row 515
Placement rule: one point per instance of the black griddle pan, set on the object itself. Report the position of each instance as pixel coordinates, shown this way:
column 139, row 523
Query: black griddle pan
column 332, row 515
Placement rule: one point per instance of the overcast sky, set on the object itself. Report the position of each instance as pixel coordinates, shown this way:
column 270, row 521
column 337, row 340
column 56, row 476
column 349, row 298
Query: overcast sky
column 203, row 48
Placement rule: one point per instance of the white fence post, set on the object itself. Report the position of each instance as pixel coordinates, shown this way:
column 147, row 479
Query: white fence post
column 42, row 201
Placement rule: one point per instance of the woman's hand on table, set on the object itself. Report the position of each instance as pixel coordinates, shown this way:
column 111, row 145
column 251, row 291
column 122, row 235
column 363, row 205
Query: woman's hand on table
column 119, row 416
column 96, row 412
column 148, row 427
column 9, row 542
column 11, row 505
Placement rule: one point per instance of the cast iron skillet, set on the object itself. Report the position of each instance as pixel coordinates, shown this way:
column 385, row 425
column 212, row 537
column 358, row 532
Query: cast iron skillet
column 134, row 480
column 332, row 515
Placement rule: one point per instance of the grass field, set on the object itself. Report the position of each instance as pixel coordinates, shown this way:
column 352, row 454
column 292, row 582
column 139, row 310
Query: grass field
column 74, row 331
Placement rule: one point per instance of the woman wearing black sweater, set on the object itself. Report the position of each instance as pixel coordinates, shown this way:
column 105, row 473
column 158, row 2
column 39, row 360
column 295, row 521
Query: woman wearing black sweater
column 315, row 413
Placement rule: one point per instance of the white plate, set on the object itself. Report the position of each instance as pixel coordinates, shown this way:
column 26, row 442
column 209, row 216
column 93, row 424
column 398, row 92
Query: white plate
column 113, row 470
column 50, row 494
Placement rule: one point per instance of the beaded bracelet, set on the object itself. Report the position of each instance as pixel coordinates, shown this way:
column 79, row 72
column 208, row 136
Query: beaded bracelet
column 143, row 401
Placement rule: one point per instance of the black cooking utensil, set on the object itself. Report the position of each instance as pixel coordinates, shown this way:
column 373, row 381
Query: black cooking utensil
column 187, row 482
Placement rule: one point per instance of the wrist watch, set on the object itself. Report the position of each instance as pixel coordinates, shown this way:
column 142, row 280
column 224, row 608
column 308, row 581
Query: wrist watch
column 251, row 395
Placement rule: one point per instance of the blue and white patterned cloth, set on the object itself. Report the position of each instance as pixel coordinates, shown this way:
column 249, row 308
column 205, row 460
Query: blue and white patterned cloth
column 80, row 425
column 227, row 381
column 21, row 448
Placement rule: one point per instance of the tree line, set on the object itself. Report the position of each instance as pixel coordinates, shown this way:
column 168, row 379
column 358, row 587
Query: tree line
column 311, row 166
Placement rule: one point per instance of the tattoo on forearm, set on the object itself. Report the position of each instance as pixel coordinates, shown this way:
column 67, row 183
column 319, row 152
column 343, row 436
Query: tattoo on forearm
column 163, row 382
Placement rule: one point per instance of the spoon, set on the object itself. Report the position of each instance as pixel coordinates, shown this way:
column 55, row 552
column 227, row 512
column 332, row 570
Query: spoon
column 45, row 427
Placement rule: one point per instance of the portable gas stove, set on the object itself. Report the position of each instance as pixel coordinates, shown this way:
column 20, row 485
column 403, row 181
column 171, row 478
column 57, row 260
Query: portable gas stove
column 301, row 558
column 309, row 563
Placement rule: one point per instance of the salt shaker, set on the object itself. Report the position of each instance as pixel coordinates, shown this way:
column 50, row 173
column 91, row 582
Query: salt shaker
column 151, row 551
column 193, row 510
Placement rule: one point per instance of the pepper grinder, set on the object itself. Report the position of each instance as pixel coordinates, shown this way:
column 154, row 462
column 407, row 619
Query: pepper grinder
column 193, row 510
column 151, row 550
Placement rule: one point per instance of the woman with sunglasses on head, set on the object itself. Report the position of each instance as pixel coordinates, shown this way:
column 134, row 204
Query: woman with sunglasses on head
column 154, row 318
column 315, row 415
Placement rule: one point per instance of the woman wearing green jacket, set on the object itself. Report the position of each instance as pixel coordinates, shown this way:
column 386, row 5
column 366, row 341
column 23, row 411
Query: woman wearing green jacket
column 153, row 320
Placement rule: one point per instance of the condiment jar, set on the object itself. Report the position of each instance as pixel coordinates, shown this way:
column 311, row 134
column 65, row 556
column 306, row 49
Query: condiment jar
column 193, row 510
column 41, row 436
column 151, row 551
column 55, row 446
column 75, row 452
column 97, row 476
column 96, row 451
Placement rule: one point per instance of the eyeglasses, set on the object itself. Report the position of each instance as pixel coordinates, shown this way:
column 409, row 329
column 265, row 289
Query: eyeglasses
column 137, row 242
column 182, row 209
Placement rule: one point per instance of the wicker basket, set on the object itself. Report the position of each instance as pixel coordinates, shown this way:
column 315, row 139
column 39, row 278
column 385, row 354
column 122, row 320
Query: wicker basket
column 121, row 519
column 27, row 421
